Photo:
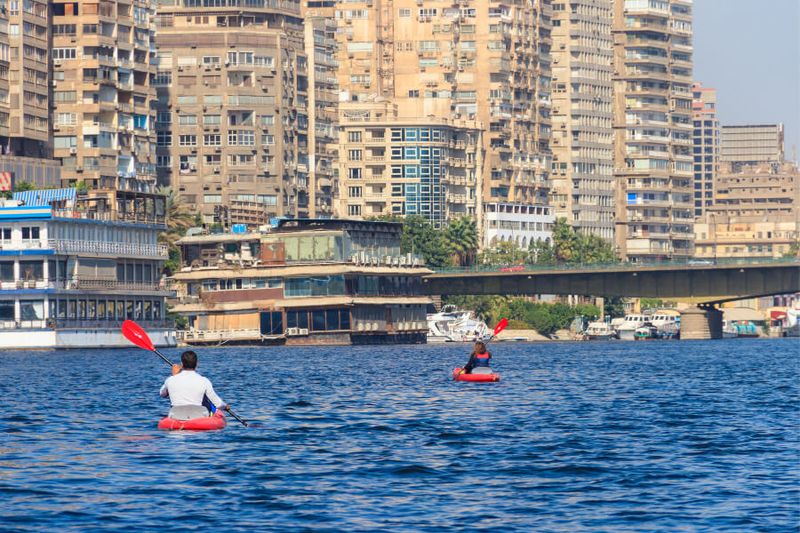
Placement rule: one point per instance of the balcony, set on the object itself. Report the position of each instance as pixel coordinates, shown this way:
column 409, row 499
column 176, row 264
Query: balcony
column 158, row 251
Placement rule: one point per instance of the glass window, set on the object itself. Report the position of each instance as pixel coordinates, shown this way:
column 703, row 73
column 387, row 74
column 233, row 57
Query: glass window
column 31, row 270
column 318, row 320
column 6, row 271
column 7, row 310
column 31, row 309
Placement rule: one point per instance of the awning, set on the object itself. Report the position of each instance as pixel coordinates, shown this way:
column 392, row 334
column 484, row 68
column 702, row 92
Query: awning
column 44, row 197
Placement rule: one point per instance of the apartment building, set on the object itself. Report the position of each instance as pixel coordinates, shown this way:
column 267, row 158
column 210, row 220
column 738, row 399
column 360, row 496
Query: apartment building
column 653, row 128
column 232, row 119
column 481, row 61
column 583, row 157
column 766, row 191
column 722, row 236
column 323, row 101
column 393, row 165
column 24, row 79
column 750, row 145
column 705, row 150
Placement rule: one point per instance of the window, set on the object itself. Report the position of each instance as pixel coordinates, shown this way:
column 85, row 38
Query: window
column 7, row 271
column 354, row 210
column 187, row 140
column 413, row 93
column 66, row 119
column 211, row 120
column 354, row 136
column 212, row 198
column 64, row 53
column 354, row 173
column 268, row 140
column 164, row 117
column 187, row 120
column 164, row 161
column 210, row 139
column 164, row 138
column 354, row 192
column 271, row 323
column 211, row 60
column 354, row 155
column 267, row 120
column 404, row 12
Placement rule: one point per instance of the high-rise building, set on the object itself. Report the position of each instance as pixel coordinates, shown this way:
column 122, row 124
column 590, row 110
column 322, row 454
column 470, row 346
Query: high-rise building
column 706, row 145
column 765, row 190
column 653, row 128
column 323, row 100
column 103, row 131
column 425, row 166
column 751, row 145
column 583, row 158
column 233, row 108
column 24, row 79
column 480, row 60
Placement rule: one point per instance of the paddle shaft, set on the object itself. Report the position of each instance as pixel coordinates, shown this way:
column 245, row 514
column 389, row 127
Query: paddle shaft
column 230, row 412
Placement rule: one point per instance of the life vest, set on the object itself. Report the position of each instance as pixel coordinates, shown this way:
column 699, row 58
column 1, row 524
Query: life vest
column 482, row 359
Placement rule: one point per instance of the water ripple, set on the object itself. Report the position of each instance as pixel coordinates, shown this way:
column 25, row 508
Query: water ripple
column 672, row 436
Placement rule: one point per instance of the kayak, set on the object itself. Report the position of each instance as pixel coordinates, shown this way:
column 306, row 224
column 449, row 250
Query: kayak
column 475, row 378
column 205, row 423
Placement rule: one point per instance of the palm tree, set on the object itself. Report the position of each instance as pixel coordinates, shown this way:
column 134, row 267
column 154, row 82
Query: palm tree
column 179, row 219
column 462, row 238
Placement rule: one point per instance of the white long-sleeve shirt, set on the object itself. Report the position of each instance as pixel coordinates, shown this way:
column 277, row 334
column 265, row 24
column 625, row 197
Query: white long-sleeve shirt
column 188, row 388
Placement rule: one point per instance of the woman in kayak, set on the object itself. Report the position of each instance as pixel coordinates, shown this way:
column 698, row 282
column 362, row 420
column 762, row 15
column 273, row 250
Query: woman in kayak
column 478, row 358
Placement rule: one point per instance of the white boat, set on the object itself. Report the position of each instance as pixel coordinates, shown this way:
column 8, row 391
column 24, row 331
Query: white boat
column 792, row 326
column 627, row 330
column 668, row 324
column 599, row 331
column 454, row 325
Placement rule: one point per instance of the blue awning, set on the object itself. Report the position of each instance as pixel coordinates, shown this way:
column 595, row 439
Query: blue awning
column 44, row 196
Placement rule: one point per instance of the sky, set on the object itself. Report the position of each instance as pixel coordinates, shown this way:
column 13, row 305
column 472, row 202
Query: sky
column 749, row 50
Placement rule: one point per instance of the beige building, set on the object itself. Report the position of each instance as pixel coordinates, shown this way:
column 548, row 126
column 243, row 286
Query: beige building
column 750, row 145
column 24, row 79
column 582, row 175
column 102, row 98
column 392, row 165
column 756, row 213
column 767, row 190
column 233, row 109
column 722, row 236
column 706, row 146
column 323, row 101
column 477, row 61
column 653, row 128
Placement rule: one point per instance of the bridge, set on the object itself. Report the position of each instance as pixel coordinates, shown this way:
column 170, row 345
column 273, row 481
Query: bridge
column 685, row 282
column 704, row 284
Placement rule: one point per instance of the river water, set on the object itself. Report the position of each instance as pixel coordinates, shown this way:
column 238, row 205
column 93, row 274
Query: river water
column 616, row 436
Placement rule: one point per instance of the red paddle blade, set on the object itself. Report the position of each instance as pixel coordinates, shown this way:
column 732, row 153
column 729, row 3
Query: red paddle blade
column 134, row 333
column 500, row 326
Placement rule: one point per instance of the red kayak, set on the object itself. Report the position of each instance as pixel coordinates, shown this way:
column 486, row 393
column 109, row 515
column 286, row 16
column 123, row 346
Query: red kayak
column 475, row 378
column 206, row 423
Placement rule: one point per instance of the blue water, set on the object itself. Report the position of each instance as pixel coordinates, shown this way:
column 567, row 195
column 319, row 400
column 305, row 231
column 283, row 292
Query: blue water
column 660, row 436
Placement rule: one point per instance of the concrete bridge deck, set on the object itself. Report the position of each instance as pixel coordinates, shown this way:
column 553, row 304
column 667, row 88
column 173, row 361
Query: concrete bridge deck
column 685, row 282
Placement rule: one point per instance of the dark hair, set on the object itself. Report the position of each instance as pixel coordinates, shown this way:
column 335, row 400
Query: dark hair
column 479, row 344
column 189, row 360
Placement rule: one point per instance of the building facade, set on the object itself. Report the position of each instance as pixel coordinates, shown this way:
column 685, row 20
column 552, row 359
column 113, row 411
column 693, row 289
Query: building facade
column 520, row 224
column 408, row 166
column 766, row 191
column 233, row 109
column 720, row 236
column 583, row 159
column 329, row 282
column 480, row 60
column 25, row 79
column 653, row 129
column 102, row 97
column 705, row 150
column 751, row 145
column 323, row 100
column 68, row 280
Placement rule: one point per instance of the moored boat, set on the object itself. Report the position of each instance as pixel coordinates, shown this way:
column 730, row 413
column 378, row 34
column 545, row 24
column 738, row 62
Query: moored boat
column 599, row 331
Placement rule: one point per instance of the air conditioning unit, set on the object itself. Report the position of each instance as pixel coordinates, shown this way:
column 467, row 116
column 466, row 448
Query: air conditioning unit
column 293, row 332
column 302, row 331
column 73, row 151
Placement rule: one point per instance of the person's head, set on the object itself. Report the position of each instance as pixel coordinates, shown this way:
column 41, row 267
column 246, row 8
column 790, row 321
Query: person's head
column 189, row 360
column 480, row 347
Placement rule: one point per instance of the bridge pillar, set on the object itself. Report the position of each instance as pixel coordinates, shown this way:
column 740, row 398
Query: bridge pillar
column 701, row 323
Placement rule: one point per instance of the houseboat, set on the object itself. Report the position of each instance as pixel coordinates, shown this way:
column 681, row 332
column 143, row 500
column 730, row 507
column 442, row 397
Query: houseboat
column 72, row 272
column 304, row 281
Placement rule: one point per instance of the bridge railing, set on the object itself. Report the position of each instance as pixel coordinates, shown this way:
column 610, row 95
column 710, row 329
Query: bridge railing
column 528, row 267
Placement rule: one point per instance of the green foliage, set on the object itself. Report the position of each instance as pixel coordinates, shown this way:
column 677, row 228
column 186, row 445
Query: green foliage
column 179, row 219
column 22, row 186
column 420, row 238
column 462, row 239
column 546, row 318
column 173, row 263
column 794, row 250
column 505, row 253
column 651, row 303
column 81, row 187
column 614, row 306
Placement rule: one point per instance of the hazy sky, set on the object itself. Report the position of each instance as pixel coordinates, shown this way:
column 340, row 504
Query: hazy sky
column 749, row 50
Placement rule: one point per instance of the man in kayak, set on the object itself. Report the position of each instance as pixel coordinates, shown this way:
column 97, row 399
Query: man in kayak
column 191, row 395
column 478, row 358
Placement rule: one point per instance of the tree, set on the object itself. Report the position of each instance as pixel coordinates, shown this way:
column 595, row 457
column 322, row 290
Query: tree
column 541, row 252
column 462, row 240
column 179, row 219
column 420, row 238
column 504, row 253
column 794, row 250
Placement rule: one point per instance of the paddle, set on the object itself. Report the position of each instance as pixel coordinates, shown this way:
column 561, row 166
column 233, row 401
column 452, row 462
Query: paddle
column 134, row 333
column 497, row 329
